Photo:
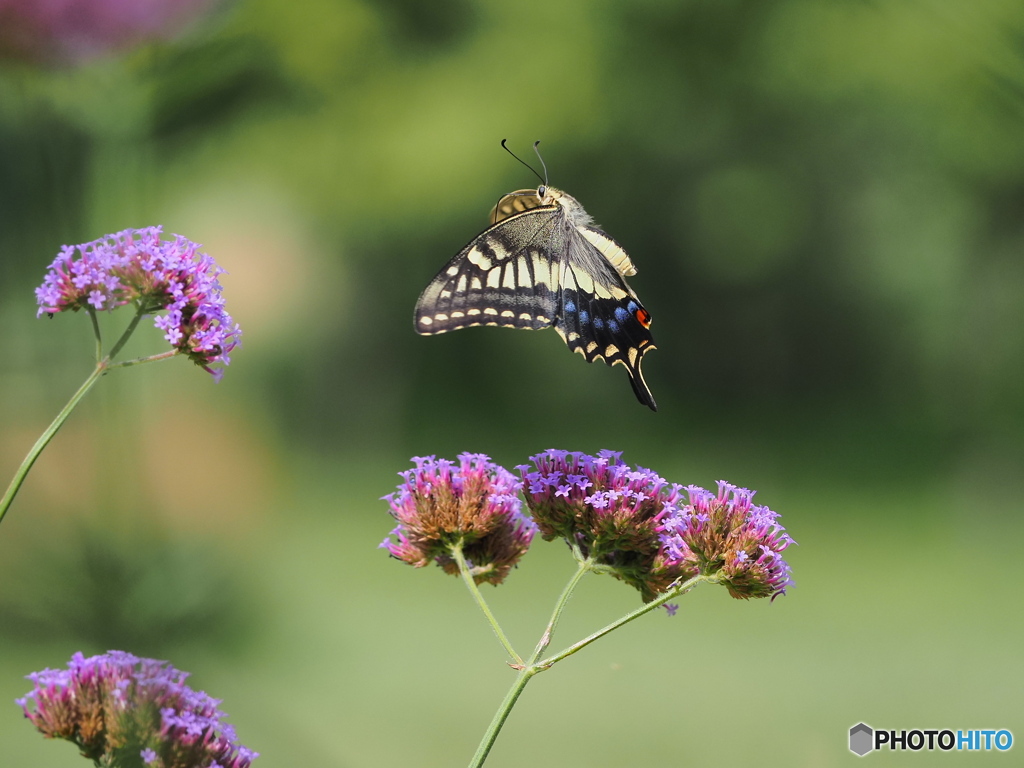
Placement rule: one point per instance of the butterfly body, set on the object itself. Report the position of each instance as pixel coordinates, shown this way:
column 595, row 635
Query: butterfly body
column 543, row 263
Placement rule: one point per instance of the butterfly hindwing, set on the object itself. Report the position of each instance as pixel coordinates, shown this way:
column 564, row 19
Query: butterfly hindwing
column 600, row 317
column 543, row 263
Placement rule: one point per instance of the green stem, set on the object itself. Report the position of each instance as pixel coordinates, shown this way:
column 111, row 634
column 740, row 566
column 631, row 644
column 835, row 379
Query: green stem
column 528, row 670
column 549, row 631
column 96, row 332
column 150, row 359
column 467, row 577
column 501, row 716
column 646, row 608
column 103, row 364
column 139, row 312
column 47, row 436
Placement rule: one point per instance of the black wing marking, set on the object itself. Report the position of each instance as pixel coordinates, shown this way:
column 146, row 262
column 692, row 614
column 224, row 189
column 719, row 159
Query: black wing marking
column 507, row 276
column 600, row 317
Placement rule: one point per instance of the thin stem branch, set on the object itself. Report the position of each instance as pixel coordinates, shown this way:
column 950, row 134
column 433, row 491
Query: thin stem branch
column 646, row 608
column 96, row 332
column 549, row 631
column 46, row 437
column 527, row 671
column 139, row 312
column 467, row 577
column 150, row 359
column 103, row 364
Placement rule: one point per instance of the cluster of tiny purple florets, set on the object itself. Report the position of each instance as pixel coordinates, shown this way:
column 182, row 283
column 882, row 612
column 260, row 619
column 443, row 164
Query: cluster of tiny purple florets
column 652, row 533
column 118, row 708
column 629, row 522
column 473, row 504
column 607, row 510
column 136, row 266
column 726, row 532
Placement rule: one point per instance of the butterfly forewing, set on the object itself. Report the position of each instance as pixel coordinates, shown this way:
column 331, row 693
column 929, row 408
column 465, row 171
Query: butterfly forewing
column 506, row 277
column 543, row 263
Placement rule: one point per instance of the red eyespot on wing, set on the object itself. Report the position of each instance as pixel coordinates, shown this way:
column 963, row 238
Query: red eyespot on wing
column 644, row 317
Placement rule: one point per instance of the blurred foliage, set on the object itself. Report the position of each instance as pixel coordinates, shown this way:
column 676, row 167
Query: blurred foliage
column 822, row 198
column 150, row 595
column 824, row 202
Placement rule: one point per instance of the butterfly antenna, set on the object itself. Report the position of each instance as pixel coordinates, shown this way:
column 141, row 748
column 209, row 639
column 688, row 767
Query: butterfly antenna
column 542, row 163
column 543, row 180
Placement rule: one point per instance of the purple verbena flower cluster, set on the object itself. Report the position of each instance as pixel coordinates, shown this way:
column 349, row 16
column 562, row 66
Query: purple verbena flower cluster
column 73, row 31
column 726, row 533
column 607, row 510
column 651, row 533
column 137, row 267
column 473, row 504
column 629, row 522
column 118, row 708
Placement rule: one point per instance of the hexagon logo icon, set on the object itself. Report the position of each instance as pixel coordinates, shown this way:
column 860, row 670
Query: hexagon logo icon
column 861, row 738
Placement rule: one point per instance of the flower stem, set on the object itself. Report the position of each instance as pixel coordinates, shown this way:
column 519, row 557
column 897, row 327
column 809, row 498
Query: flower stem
column 150, row 359
column 103, row 364
column 528, row 670
column 646, row 608
column 139, row 312
column 502, row 715
column 467, row 577
column 47, row 436
column 96, row 332
column 549, row 631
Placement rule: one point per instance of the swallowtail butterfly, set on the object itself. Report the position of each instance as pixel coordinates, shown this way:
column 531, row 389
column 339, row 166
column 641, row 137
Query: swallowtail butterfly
column 542, row 263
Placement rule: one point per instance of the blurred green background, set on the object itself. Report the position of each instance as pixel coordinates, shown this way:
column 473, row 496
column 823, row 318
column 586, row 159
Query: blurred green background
column 824, row 201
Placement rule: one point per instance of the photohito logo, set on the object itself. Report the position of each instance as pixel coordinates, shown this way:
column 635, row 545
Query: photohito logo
column 864, row 739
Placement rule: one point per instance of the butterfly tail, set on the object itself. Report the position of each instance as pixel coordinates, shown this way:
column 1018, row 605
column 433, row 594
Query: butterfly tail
column 641, row 390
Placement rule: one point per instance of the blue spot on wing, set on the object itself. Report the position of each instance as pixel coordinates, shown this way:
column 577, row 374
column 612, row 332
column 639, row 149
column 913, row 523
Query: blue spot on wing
column 584, row 317
column 621, row 314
